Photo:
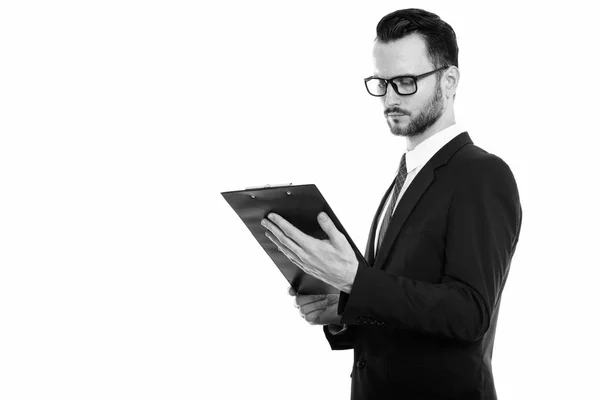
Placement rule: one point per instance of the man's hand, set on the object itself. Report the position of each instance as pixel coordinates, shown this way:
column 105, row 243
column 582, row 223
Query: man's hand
column 331, row 260
column 317, row 309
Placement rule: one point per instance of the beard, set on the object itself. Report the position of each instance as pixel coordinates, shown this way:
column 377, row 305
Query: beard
column 430, row 113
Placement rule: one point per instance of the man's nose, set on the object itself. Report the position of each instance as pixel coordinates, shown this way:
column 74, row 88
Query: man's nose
column 391, row 97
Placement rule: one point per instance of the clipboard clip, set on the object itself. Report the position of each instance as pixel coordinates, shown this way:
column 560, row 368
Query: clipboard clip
column 268, row 185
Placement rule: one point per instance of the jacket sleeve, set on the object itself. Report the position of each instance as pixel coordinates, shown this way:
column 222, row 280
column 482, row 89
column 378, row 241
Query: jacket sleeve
column 342, row 340
column 484, row 221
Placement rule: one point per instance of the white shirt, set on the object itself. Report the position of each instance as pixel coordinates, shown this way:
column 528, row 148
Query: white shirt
column 415, row 160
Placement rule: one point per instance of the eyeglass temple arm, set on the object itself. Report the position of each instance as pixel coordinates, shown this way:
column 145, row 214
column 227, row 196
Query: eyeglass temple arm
column 431, row 72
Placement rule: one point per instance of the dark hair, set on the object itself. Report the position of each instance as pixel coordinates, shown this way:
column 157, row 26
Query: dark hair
column 439, row 36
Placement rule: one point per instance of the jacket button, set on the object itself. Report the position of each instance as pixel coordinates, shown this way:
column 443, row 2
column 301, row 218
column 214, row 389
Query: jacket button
column 360, row 364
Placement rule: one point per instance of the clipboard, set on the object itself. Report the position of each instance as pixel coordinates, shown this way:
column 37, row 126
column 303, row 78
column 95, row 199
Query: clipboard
column 299, row 205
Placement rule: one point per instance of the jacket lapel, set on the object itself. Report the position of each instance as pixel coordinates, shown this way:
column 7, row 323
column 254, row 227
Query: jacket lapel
column 410, row 198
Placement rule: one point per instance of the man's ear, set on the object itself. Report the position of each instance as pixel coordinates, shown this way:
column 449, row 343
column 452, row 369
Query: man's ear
column 452, row 76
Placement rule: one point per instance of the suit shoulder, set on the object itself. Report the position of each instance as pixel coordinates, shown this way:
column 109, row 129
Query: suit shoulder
column 473, row 164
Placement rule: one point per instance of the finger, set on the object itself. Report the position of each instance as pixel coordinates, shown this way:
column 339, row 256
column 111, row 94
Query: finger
column 298, row 263
column 313, row 307
column 303, row 299
column 311, row 319
column 305, row 314
column 289, row 254
column 328, row 227
column 316, row 320
column 283, row 248
column 290, row 233
column 291, row 291
column 275, row 240
column 313, row 315
column 283, row 242
column 315, row 299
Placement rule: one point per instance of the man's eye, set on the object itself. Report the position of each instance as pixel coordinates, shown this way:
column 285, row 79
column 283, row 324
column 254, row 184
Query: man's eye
column 404, row 81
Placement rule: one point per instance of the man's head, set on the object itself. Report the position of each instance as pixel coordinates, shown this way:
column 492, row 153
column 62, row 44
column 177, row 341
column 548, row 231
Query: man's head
column 413, row 42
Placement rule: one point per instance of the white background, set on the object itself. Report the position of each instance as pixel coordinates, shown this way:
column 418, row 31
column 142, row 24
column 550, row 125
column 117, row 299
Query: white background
column 125, row 275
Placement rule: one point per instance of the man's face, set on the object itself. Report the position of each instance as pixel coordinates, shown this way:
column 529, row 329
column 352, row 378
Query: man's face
column 408, row 115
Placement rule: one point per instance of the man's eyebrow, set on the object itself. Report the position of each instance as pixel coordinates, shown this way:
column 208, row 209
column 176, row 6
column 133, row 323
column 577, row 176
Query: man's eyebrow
column 390, row 77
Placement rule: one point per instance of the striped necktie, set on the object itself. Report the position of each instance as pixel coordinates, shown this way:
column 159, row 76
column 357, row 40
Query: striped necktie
column 400, row 179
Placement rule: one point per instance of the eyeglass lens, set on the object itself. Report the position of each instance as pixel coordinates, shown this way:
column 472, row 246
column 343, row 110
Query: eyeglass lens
column 377, row 87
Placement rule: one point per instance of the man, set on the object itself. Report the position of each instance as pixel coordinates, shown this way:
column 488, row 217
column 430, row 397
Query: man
column 421, row 314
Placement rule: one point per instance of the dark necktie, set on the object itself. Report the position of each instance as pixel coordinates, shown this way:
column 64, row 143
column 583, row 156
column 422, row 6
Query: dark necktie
column 400, row 179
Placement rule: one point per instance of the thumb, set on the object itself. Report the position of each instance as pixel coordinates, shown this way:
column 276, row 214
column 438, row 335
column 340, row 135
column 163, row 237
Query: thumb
column 327, row 225
column 291, row 291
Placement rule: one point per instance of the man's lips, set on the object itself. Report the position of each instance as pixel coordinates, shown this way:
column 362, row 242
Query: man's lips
column 394, row 112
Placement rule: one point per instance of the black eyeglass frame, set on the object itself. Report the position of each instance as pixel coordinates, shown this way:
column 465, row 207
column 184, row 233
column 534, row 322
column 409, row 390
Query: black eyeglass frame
column 389, row 81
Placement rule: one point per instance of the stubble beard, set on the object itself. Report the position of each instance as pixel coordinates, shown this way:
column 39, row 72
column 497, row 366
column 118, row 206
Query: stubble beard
column 428, row 116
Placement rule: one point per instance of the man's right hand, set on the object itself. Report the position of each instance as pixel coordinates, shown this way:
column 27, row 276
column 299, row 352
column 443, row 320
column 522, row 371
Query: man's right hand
column 317, row 309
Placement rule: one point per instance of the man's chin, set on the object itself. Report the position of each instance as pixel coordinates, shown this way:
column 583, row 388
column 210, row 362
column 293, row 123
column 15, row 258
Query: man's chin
column 403, row 131
column 398, row 130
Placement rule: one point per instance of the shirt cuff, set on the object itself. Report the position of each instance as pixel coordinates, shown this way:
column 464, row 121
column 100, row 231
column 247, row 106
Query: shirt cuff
column 336, row 329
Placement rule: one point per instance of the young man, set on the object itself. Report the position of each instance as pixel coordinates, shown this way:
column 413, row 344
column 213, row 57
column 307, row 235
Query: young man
column 421, row 314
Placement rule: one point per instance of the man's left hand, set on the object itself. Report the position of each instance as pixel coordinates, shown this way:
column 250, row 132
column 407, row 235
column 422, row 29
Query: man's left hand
column 331, row 260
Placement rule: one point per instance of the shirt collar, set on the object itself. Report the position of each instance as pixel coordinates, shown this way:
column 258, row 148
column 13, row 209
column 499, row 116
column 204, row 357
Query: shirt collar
column 427, row 148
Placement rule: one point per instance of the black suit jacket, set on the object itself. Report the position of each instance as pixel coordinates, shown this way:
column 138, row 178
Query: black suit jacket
column 422, row 315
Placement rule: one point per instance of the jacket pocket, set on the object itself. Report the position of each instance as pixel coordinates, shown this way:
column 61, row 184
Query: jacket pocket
column 431, row 380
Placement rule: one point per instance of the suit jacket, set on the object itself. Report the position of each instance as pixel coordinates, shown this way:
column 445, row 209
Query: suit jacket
column 422, row 315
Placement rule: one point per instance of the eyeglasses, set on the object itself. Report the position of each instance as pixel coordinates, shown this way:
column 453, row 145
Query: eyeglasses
column 404, row 85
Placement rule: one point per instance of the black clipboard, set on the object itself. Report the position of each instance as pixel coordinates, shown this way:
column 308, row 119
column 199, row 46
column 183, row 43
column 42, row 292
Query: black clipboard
column 299, row 205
